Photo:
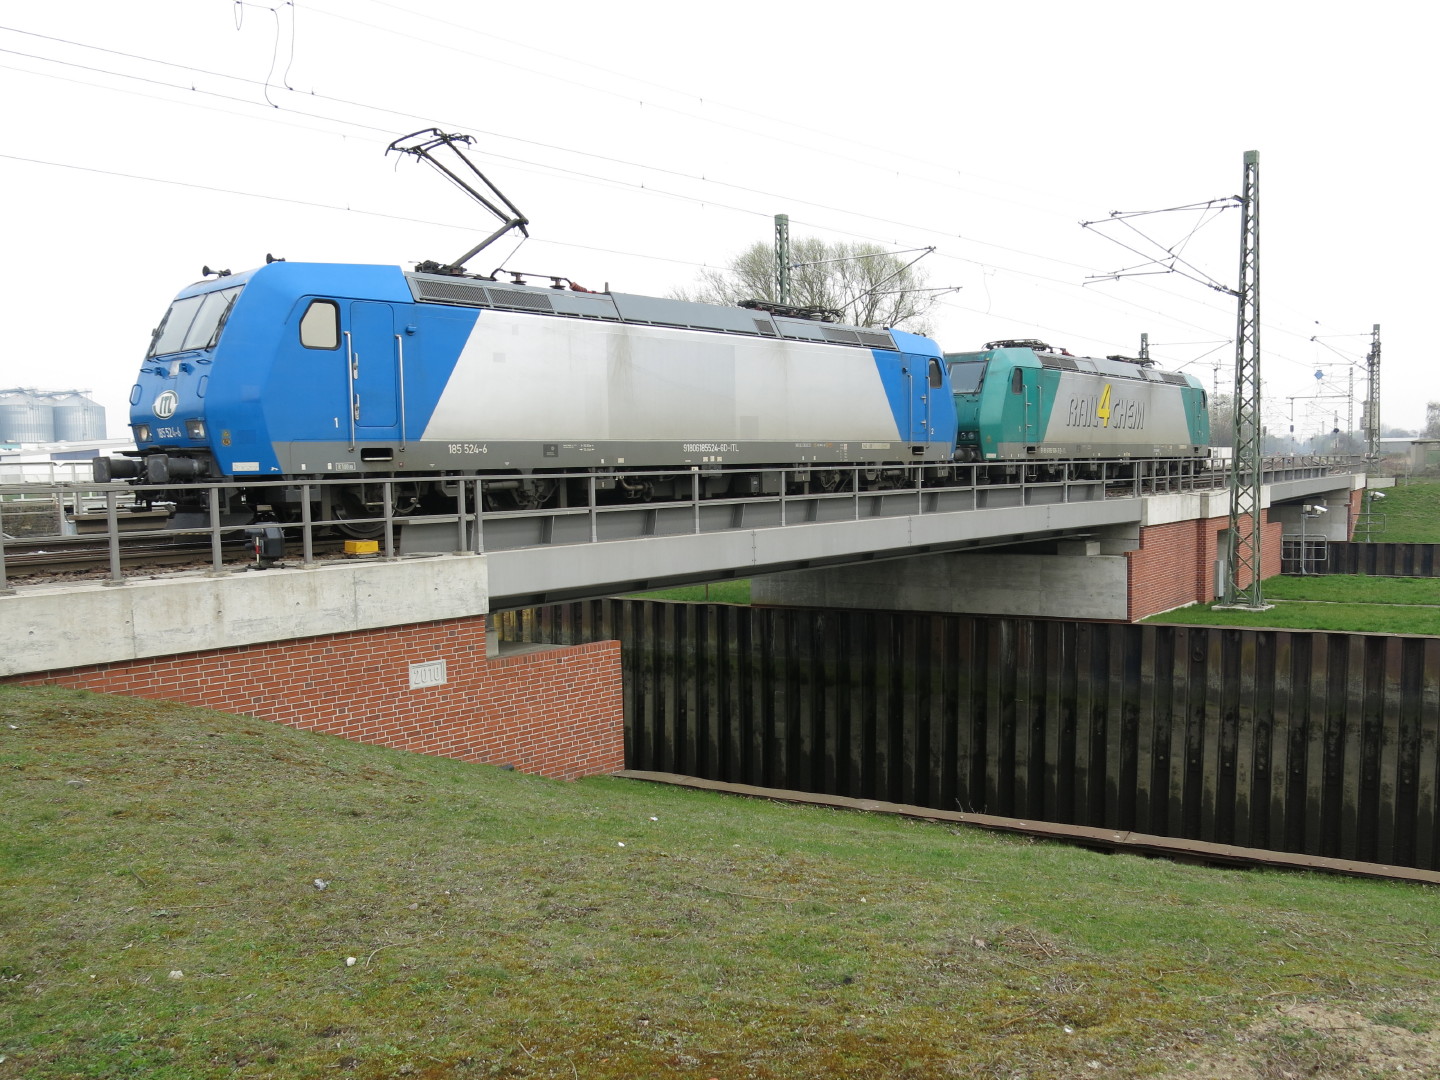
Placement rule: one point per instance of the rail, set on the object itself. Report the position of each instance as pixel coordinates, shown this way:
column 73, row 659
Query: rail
column 910, row 489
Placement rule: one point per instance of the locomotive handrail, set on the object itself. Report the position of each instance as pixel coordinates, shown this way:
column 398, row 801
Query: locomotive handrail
column 470, row 518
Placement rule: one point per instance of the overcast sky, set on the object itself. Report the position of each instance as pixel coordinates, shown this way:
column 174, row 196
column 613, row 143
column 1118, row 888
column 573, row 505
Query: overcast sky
column 648, row 140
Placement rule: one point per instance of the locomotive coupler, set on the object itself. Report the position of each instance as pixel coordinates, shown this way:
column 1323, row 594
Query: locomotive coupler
column 267, row 542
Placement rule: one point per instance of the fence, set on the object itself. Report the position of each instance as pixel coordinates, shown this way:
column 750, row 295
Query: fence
column 1317, row 743
column 1379, row 560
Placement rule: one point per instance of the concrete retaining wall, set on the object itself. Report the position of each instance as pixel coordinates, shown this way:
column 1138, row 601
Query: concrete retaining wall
column 66, row 626
column 1171, row 565
column 1090, row 585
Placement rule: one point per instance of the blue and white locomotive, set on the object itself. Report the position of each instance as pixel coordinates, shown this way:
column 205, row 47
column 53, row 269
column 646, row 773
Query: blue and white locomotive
column 296, row 371
column 293, row 371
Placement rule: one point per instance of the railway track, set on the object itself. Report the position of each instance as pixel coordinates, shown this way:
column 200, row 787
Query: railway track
column 82, row 557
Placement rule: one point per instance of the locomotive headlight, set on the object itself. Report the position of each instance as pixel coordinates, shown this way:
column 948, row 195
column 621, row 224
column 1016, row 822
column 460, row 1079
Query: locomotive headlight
column 195, row 429
column 142, row 432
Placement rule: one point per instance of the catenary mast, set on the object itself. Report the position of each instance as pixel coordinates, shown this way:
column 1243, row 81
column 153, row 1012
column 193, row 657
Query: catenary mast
column 1242, row 583
column 1371, row 412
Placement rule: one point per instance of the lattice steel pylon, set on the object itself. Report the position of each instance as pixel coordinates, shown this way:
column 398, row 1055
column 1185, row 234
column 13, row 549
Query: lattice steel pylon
column 782, row 258
column 1372, row 398
column 1242, row 580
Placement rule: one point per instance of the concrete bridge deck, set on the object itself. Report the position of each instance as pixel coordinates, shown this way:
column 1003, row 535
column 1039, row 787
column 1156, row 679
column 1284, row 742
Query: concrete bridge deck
column 525, row 559
column 397, row 651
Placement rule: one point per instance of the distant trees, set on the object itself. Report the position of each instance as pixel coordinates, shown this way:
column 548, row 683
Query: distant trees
column 861, row 281
column 1222, row 419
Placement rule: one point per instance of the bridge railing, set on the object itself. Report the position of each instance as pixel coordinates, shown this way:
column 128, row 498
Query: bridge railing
column 477, row 525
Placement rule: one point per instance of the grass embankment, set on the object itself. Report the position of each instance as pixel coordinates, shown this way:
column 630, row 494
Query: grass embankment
column 1409, row 514
column 164, row 917
column 1351, row 604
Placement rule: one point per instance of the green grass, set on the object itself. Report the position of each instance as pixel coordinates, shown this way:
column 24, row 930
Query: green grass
column 1409, row 514
column 503, row 925
column 1354, row 589
column 1286, row 615
column 720, row 592
column 1331, row 602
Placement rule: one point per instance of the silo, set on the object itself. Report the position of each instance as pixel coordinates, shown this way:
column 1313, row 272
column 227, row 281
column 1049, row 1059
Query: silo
column 77, row 418
column 25, row 417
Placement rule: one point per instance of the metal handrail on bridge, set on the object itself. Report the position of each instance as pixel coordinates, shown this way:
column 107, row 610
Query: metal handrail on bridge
column 470, row 516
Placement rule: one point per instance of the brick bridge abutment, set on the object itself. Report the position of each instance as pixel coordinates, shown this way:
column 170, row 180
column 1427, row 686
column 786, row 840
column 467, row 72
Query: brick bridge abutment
column 387, row 653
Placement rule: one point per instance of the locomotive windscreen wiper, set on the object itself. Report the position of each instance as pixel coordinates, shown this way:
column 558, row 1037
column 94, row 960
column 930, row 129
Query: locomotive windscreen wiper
column 432, row 139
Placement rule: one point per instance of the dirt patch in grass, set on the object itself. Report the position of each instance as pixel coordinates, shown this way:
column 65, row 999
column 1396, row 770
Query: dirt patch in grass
column 1303, row 1040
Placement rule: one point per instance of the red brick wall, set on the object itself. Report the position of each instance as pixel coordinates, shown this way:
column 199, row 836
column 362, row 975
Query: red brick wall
column 1175, row 564
column 556, row 712
column 1357, row 507
column 1168, row 569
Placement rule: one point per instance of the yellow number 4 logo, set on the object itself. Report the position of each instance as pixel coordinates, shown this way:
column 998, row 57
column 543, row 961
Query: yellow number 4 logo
column 1103, row 409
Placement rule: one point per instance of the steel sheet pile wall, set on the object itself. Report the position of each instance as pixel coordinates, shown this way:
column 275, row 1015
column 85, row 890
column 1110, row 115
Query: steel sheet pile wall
column 1380, row 560
column 1323, row 744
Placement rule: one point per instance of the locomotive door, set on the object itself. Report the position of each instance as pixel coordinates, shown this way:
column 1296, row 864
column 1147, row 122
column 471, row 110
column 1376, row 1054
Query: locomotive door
column 374, row 371
column 1030, row 399
column 917, row 399
column 1033, row 391
column 934, row 381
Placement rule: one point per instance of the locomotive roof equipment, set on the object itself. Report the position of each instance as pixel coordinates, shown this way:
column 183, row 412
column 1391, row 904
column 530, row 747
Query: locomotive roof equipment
column 432, row 139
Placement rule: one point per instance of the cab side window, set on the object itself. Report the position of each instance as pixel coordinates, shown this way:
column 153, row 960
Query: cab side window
column 320, row 325
column 937, row 378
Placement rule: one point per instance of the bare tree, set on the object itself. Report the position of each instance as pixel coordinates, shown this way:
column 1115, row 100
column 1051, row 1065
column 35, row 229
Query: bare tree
column 868, row 286
column 1222, row 419
column 1432, row 420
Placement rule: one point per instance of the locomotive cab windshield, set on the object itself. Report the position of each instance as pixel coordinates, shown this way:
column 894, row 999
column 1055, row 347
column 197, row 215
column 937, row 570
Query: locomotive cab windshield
column 194, row 322
column 966, row 376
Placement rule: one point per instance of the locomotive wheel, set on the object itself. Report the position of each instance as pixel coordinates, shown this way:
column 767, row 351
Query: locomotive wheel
column 350, row 506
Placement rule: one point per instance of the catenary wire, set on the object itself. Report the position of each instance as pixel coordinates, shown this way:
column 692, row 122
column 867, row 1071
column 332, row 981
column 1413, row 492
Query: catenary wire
column 648, row 189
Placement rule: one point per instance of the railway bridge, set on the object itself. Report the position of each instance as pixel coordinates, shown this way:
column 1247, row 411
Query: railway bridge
column 396, row 649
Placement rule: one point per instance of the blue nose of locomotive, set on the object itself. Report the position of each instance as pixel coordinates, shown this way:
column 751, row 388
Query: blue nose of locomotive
column 167, row 402
column 168, row 415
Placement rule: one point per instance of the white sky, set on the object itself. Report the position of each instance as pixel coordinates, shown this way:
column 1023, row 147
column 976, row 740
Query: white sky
column 645, row 140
